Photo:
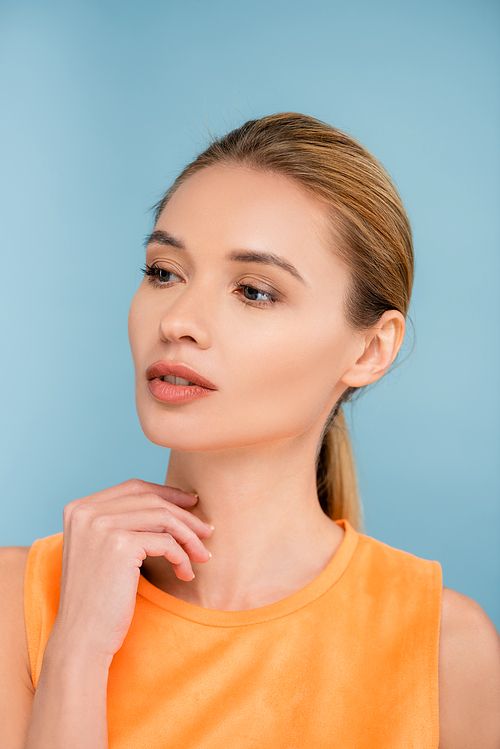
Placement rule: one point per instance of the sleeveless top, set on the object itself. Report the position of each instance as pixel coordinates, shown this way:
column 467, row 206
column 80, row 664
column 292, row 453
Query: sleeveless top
column 350, row 660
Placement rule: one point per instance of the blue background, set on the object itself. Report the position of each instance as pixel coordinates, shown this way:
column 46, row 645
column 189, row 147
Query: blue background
column 104, row 102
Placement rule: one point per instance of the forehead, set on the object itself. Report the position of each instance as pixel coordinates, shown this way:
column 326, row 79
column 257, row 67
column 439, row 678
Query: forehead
column 237, row 204
column 223, row 208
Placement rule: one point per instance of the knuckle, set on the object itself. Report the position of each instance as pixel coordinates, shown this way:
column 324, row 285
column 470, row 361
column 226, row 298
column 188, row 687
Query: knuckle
column 168, row 519
column 99, row 523
column 190, row 536
column 133, row 485
column 176, row 555
column 153, row 499
column 164, row 514
column 119, row 540
column 68, row 509
column 82, row 511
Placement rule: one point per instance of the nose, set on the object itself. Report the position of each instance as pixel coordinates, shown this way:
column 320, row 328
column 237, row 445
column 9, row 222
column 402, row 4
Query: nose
column 187, row 317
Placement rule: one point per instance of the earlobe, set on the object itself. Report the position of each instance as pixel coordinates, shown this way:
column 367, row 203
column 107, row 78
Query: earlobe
column 381, row 345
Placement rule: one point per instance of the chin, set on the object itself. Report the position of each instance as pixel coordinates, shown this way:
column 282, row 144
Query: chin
column 168, row 438
column 186, row 438
column 161, row 430
column 203, row 432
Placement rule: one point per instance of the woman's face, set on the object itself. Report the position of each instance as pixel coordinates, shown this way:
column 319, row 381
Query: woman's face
column 276, row 365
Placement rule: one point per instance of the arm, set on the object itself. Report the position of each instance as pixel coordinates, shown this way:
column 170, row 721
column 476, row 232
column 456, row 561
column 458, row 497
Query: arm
column 69, row 707
column 469, row 675
column 107, row 536
column 57, row 714
column 16, row 688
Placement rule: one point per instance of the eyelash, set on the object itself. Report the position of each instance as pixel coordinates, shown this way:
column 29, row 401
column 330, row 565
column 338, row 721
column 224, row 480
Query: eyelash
column 152, row 271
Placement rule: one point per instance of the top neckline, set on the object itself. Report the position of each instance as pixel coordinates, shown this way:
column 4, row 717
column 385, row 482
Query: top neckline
column 217, row 618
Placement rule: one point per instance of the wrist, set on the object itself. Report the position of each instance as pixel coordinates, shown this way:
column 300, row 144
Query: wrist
column 70, row 702
column 73, row 654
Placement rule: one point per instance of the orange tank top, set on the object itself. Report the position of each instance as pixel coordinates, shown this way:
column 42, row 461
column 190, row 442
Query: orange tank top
column 350, row 660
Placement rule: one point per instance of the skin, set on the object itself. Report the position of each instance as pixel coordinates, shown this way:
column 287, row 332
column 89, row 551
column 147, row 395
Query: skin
column 247, row 449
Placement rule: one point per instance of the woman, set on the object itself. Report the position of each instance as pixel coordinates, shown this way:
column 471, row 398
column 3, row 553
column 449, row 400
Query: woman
column 240, row 605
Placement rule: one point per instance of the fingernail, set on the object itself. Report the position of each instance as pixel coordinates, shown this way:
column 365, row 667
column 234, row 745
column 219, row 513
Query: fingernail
column 193, row 576
column 209, row 553
column 193, row 494
column 212, row 527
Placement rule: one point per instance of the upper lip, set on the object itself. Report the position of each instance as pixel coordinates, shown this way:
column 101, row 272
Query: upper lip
column 162, row 368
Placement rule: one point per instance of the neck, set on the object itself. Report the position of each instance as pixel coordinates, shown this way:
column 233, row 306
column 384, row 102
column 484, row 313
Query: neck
column 271, row 536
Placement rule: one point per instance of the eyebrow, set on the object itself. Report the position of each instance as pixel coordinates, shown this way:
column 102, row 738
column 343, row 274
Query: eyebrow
column 162, row 237
column 246, row 256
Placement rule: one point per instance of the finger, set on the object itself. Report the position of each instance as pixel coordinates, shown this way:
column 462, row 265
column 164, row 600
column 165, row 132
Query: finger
column 171, row 494
column 158, row 520
column 137, row 486
column 164, row 545
column 199, row 526
column 145, row 502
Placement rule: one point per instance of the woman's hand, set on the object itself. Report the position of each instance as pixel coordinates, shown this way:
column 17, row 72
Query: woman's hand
column 106, row 538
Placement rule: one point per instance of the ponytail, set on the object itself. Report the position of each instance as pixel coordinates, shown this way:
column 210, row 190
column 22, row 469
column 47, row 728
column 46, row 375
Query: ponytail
column 336, row 474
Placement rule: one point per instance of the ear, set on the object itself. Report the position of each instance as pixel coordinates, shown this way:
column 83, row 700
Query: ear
column 380, row 345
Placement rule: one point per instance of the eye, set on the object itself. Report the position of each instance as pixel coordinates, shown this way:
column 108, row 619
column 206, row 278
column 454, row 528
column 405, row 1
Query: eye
column 253, row 294
column 158, row 276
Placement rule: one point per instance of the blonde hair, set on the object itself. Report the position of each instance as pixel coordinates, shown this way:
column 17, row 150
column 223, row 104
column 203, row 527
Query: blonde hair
column 367, row 215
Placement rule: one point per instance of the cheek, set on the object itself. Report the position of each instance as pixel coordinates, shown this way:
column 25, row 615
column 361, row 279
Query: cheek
column 285, row 380
column 138, row 325
column 132, row 324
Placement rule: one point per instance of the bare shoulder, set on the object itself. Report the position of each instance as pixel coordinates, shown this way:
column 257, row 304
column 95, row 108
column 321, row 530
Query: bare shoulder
column 16, row 688
column 469, row 675
column 13, row 643
column 12, row 560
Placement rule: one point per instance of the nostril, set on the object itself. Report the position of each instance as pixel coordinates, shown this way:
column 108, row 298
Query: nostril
column 176, row 328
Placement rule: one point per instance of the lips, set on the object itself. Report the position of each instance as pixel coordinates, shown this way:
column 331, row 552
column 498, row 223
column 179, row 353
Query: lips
column 161, row 368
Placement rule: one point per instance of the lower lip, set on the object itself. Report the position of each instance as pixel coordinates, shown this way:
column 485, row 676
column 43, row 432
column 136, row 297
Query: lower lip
column 165, row 391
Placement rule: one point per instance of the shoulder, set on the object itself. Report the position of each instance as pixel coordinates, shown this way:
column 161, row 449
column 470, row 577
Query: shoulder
column 13, row 645
column 469, row 675
column 14, row 558
column 12, row 567
column 16, row 687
